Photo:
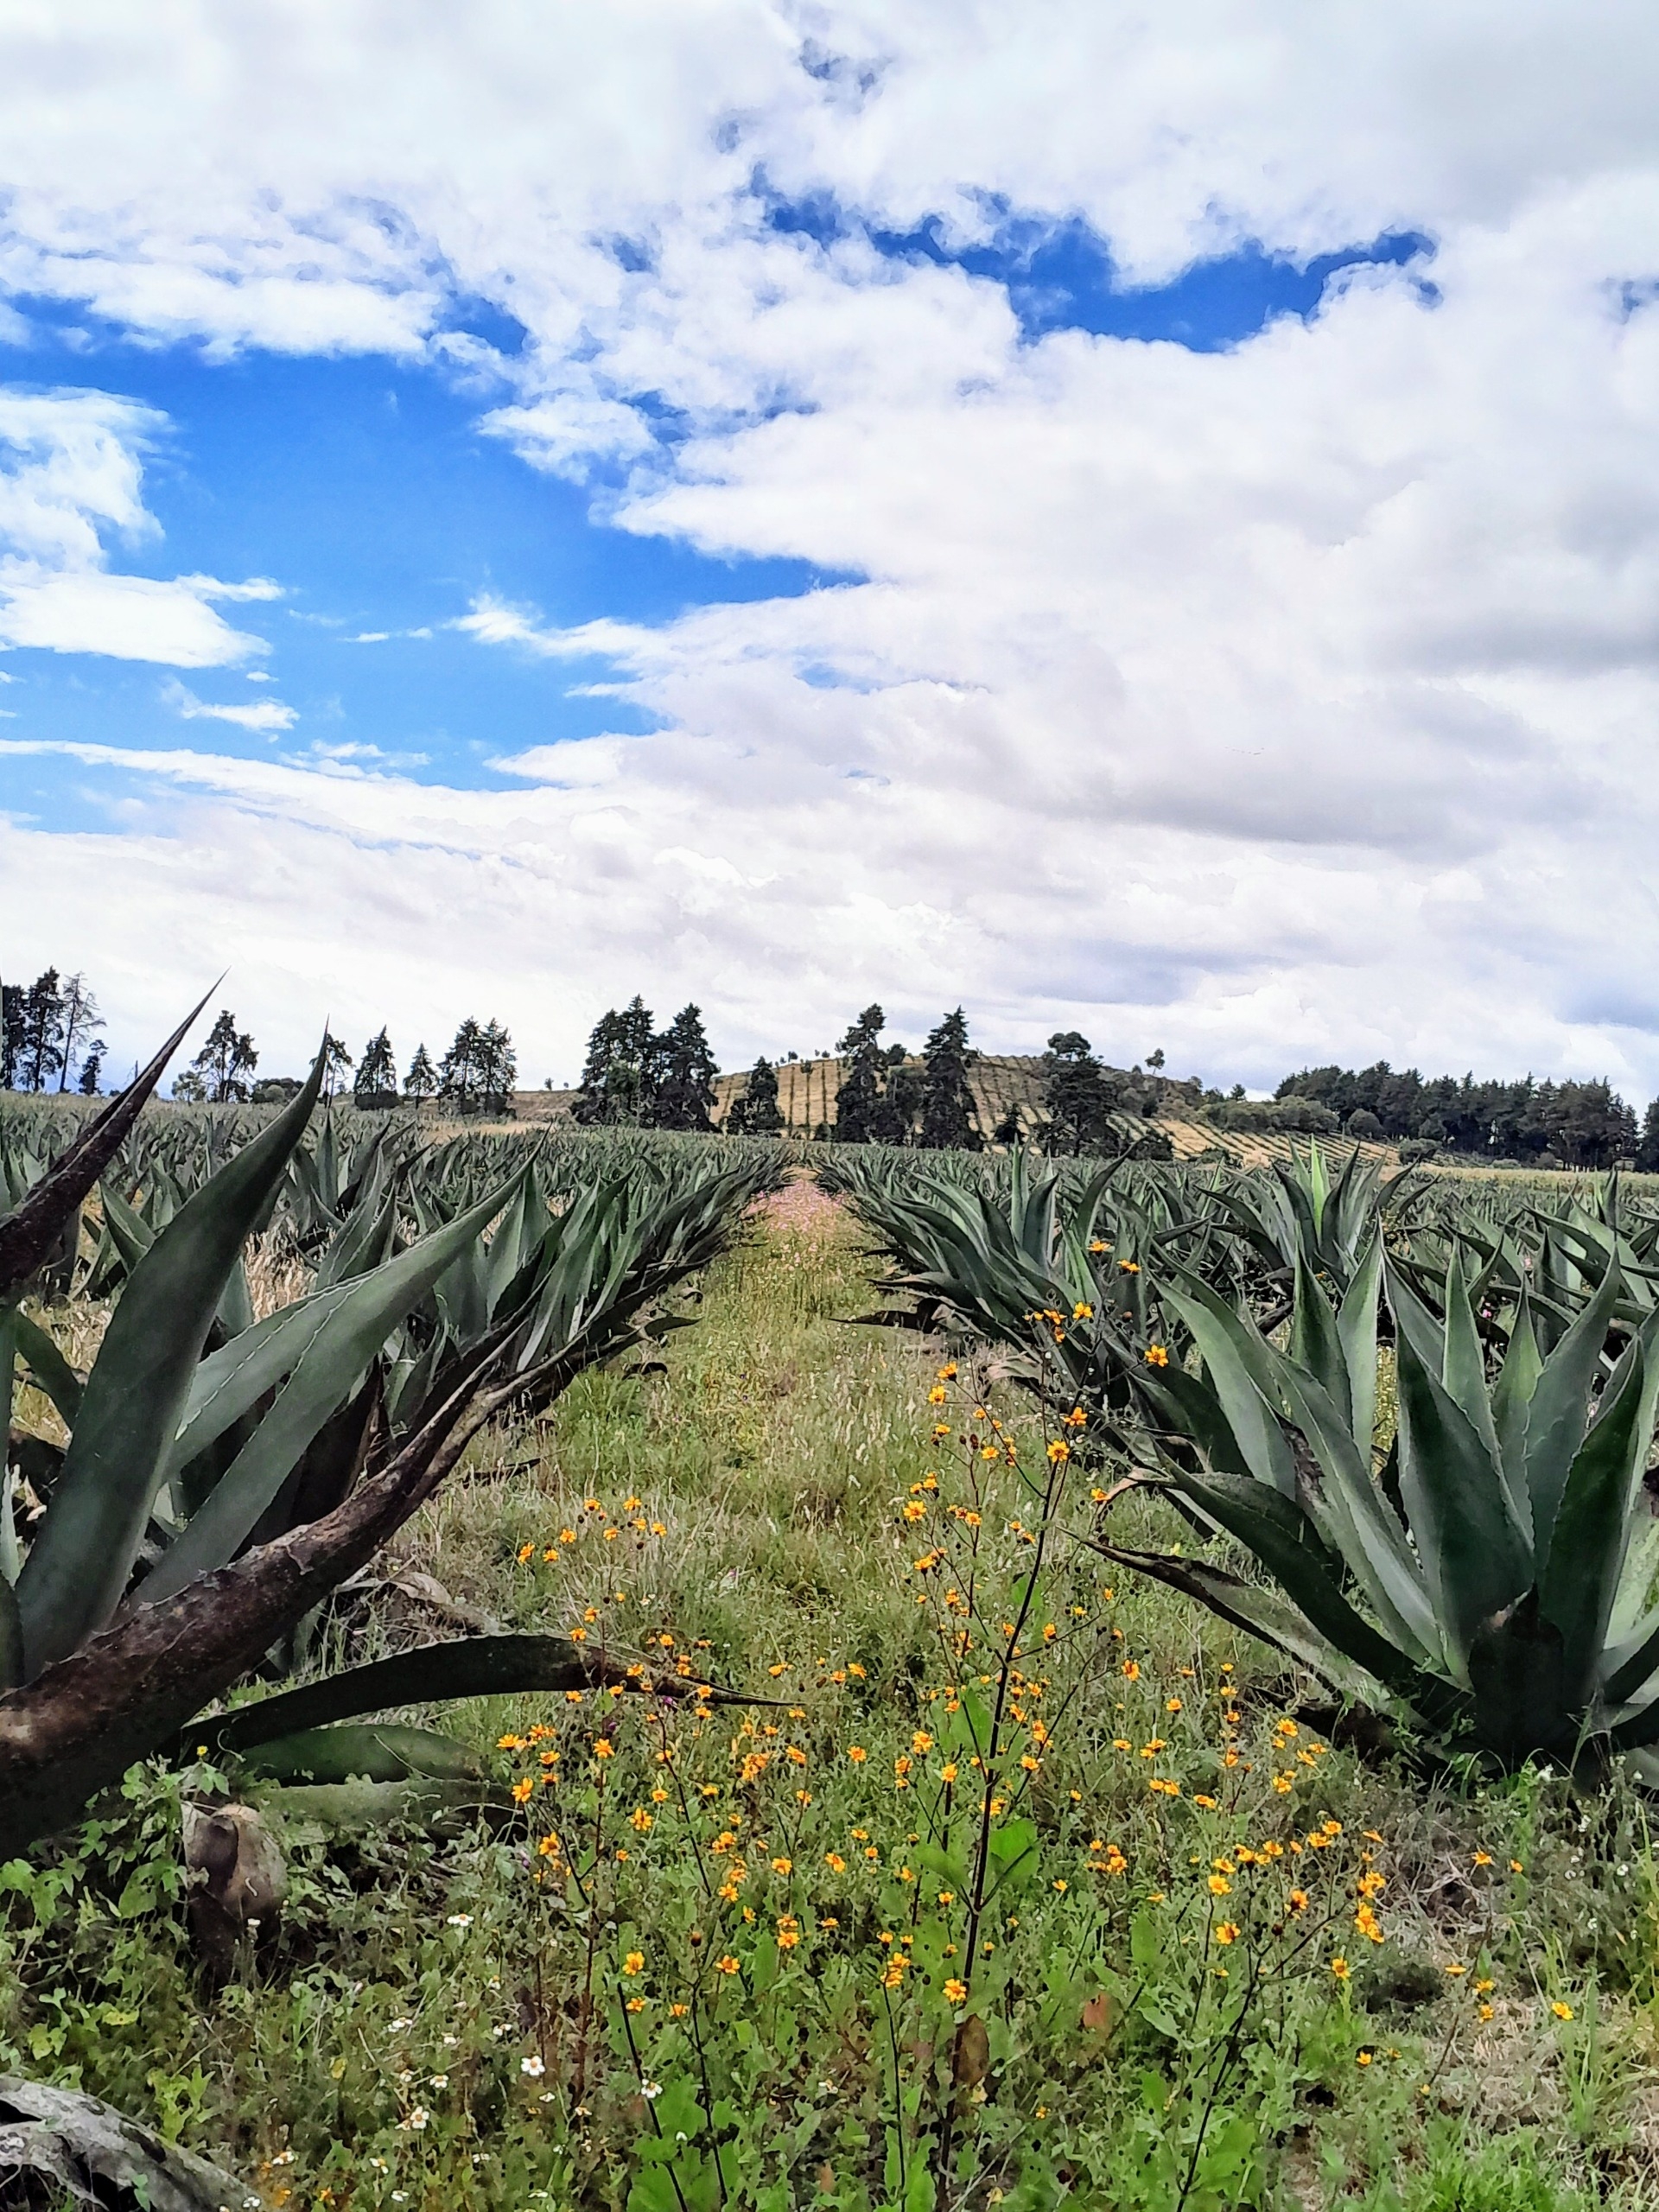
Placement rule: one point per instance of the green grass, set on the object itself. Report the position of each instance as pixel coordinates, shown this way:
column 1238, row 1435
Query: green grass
column 467, row 1979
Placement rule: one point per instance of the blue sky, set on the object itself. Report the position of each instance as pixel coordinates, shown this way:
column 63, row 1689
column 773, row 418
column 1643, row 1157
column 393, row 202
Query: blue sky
column 365, row 487
column 1147, row 524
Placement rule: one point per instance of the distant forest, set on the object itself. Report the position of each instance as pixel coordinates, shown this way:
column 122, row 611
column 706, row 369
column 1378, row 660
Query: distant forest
column 52, row 1039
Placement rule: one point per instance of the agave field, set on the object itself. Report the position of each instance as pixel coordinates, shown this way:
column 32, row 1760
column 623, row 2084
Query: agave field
column 674, row 1673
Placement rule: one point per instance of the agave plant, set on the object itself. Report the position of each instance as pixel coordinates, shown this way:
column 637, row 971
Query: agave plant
column 1494, row 1576
column 191, row 1522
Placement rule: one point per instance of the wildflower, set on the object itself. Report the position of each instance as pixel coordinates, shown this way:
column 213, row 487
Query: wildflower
column 532, row 2066
column 936, row 1395
column 1227, row 1932
column 1157, row 1355
column 1483, row 1858
column 1209, row 1805
column 525, row 1551
column 1082, row 1311
column 857, row 1754
column 456, row 1920
column 1516, row 1867
column 510, row 1743
column 1368, row 1924
column 1059, row 1451
column 915, row 1510
column 1129, row 1266
column 1220, row 1887
column 834, row 1862
column 1340, row 1968
column 789, row 1932
column 1132, row 1670
column 955, row 1991
column 728, row 1964
column 783, row 1866
column 1561, row 2011
column 1076, row 1419
column 634, row 1963
column 417, row 2119
column 603, row 1748
column 1299, row 1900
column 921, row 1742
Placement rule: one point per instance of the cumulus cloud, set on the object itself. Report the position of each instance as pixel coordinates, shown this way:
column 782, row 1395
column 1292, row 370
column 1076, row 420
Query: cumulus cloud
column 71, row 476
column 1288, row 700
column 266, row 718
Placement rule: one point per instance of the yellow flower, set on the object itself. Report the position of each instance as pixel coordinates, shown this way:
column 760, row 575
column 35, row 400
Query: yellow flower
column 634, row 1963
column 1157, row 1355
column 604, row 1749
column 1059, row 1451
column 727, row 1965
column 955, row 1991
column 1299, row 1900
column 1082, row 1311
column 1220, row 1887
column 1227, row 1932
column 1130, row 1267
column 783, row 1866
column 521, row 1789
column 525, row 1551
column 1561, row 2011
column 948, row 1772
column 789, row 1932
column 1341, row 1969
column 936, row 1395
column 857, row 1754
column 915, row 1510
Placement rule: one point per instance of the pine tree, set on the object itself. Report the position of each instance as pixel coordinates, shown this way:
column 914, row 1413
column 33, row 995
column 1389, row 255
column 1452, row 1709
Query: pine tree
column 682, row 1071
column 91, row 1072
column 83, row 1028
column 12, row 998
column 41, row 1052
column 458, row 1071
column 903, row 1093
column 422, row 1081
column 376, row 1073
column 858, row 1101
column 1647, row 1152
column 336, row 1061
column 225, row 1062
column 1079, row 1094
column 948, row 1101
column 618, row 1079
column 756, row 1114
column 497, row 1068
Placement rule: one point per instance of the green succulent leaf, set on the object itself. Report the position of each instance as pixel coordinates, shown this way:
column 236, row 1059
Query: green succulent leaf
column 327, row 1371
column 78, row 1567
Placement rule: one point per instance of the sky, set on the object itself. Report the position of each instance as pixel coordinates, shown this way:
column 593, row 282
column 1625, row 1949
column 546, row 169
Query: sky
column 1139, row 521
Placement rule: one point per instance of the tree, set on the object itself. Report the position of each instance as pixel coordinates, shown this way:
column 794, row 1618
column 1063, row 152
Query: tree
column 188, row 1088
column 756, row 1113
column 858, row 1101
column 12, row 996
column 91, row 1072
column 1079, row 1093
column 948, row 1099
column 83, row 1028
column 682, row 1072
column 226, row 1062
column 1647, row 1155
column 617, row 1079
column 497, row 1068
column 40, row 1050
column 458, row 1069
column 376, row 1073
column 335, row 1062
column 422, row 1081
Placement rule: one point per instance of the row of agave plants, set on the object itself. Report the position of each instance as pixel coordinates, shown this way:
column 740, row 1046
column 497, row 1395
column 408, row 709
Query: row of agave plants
column 1481, row 1562
column 225, row 1474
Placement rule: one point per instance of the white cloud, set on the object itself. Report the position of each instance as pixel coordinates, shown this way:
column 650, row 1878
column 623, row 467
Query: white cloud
column 265, row 719
column 71, row 474
column 1292, row 701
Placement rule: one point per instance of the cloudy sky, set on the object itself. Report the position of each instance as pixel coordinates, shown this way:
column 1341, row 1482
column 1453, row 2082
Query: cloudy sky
column 1144, row 520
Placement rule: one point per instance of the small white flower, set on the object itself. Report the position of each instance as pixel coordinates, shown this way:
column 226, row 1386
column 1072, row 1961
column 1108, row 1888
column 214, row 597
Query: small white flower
column 396, row 2026
column 459, row 1920
column 533, row 2067
column 650, row 2088
column 283, row 2158
column 440, row 2081
column 418, row 2119
column 451, row 2042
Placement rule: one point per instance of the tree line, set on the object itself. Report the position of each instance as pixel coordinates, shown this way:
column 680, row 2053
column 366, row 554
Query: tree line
column 52, row 1039
column 1564, row 1124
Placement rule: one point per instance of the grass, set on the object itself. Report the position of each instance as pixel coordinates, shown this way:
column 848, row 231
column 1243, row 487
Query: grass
column 718, row 1957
